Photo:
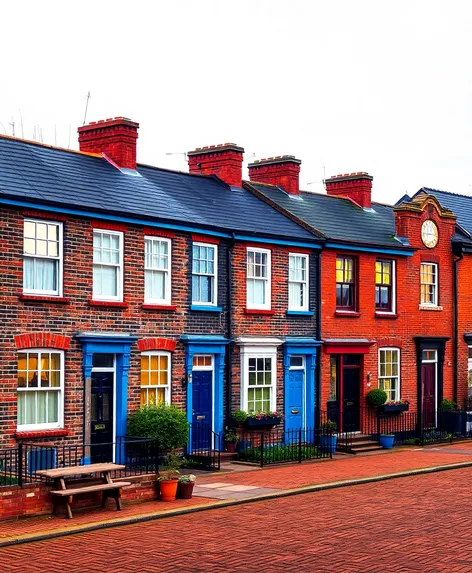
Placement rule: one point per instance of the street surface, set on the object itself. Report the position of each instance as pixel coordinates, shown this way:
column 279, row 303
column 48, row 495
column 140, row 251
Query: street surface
column 416, row 524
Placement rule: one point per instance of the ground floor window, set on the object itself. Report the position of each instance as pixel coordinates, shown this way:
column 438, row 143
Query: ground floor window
column 40, row 389
column 155, row 378
column 389, row 372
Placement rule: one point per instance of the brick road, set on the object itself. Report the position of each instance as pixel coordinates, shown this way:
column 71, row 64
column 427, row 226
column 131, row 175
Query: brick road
column 417, row 524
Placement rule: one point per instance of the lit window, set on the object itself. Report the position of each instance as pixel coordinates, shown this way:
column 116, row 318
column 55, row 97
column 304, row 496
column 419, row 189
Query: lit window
column 204, row 274
column 108, row 265
column 389, row 372
column 298, row 282
column 429, row 284
column 345, row 283
column 384, row 286
column 157, row 270
column 40, row 389
column 258, row 279
column 155, row 378
column 42, row 258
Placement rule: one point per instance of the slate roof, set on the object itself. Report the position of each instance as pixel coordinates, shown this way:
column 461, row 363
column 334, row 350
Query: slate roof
column 43, row 174
column 460, row 205
column 338, row 219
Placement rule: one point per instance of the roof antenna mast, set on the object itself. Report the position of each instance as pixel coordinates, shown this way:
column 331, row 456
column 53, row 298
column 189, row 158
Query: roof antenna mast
column 86, row 107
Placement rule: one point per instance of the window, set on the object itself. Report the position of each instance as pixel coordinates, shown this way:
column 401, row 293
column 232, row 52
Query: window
column 157, row 270
column 389, row 372
column 345, row 283
column 384, row 286
column 40, row 389
column 42, row 258
column 204, row 274
column 429, row 284
column 469, row 376
column 258, row 279
column 107, row 265
column 155, row 378
column 260, row 388
column 298, row 282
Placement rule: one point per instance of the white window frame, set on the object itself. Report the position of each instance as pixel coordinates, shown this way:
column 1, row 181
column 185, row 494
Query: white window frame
column 393, row 289
column 305, row 283
column 60, row 390
column 435, row 284
column 167, row 272
column 398, row 376
column 248, row 352
column 267, row 280
column 214, row 302
column 59, row 258
column 119, row 267
column 168, row 387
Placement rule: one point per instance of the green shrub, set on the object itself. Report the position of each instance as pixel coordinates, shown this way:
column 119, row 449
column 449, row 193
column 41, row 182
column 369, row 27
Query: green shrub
column 448, row 405
column 167, row 424
column 329, row 426
column 240, row 416
column 376, row 397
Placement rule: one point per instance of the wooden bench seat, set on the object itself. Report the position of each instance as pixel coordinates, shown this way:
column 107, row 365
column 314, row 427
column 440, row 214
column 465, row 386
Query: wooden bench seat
column 89, row 488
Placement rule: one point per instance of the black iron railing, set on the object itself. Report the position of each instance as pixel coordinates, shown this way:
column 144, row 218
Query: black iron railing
column 8, row 466
column 204, row 446
column 282, row 446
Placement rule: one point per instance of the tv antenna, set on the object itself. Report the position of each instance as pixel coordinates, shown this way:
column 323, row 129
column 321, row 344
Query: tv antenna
column 12, row 123
column 184, row 153
column 86, row 107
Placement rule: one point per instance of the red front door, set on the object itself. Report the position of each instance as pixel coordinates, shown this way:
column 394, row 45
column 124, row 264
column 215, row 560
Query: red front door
column 428, row 377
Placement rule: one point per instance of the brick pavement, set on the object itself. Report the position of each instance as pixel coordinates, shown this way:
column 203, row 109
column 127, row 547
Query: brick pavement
column 280, row 477
column 416, row 524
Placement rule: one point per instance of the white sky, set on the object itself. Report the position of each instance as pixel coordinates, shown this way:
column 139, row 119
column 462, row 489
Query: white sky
column 353, row 85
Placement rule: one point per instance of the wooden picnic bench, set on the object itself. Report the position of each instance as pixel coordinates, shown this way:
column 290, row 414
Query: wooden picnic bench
column 108, row 487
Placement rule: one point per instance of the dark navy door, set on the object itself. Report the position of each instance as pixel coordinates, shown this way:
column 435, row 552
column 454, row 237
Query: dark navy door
column 202, row 409
column 102, row 417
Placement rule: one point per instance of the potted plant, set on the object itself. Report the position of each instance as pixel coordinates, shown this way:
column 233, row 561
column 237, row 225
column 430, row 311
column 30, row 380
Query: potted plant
column 328, row 436
column 185, row 486
column 450, row 417
column 230, row 439
column 387, row 440
column 263, row 419
column 394, row 406
column 376, row 397
column 169, row 478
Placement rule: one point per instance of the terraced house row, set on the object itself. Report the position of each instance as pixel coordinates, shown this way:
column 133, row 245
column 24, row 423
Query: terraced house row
column 125, row 284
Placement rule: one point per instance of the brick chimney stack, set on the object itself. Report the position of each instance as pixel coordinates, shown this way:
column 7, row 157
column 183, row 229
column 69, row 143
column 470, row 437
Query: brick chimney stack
column 116, row 137
column 283, row 170
column 224, row 160
column 354, row 186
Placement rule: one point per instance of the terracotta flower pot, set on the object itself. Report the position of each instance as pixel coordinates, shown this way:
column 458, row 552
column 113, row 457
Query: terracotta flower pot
column 230, row 446
column 168, row 489
column 185, row 490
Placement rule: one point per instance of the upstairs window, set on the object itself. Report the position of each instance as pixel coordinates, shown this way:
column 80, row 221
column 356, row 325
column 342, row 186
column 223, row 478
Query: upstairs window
column 40, row 389
column 157, row 261
column 155, row 378
column 384, row 286
column 298, row 282
column 429, row 284
column 389, row 372
column 107, row 265
column 345, row 283
column 42, row 258
column 204, row 274
column 258, row 279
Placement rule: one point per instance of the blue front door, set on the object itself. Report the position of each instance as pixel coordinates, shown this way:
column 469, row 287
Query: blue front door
column 202, row 411
column 295, row 397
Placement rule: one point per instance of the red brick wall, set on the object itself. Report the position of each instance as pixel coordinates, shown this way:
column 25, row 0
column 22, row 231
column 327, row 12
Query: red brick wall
column 464, row 323
column 410, row 322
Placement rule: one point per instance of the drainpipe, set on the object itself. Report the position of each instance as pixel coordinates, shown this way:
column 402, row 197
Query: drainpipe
column 318, row 337
column 458, row 258
column 229, row 335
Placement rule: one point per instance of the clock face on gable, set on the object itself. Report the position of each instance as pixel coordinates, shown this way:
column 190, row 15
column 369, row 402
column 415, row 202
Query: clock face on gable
column 429, row 234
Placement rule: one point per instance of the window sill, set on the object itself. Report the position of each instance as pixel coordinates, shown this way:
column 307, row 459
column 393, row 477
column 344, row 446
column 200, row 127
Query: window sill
column 300, row 313
column 259, row 311
column 33, row 434
column 386, row 315
column 168, row 307
column 430, row 307
column 200, row 308
column 108, row 303
column 347, row 313
column 40, row 298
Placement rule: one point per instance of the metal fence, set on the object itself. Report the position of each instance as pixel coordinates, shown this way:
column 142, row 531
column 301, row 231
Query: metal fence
column 204, row 446
column 19, row 466
column 282, row 446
